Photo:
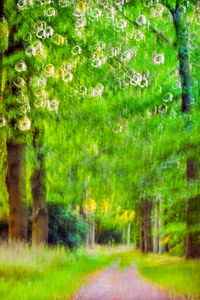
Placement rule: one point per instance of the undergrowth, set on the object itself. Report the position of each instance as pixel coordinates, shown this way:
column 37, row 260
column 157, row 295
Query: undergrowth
column 29, row 273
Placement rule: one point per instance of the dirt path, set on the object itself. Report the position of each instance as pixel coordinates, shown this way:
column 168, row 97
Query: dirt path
column 114, row 284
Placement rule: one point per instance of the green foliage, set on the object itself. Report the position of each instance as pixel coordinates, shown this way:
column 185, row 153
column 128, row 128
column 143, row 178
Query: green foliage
column 3, row 35
column 65, row 226
column 3, row 190
column 109, row 236
column 175, row 237
column 111, row 112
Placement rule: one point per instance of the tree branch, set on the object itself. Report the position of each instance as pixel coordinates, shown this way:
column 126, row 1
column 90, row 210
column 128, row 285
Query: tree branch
column 169, row 7
column 159, row 34
column 177, row 4
column 14, row 48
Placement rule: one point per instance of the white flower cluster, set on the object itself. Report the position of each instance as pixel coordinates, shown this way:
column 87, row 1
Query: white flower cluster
column 163, row 108
column 42, row 101
column 159, row 59
column 91, row 92
column 157, row 11
column 99, row 54
column 34, row 49
column 131, row 78
column 42, row 31
column 63, row 72
column 22, row 98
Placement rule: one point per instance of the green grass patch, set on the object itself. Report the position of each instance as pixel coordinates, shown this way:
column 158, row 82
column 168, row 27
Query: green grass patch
column 45, row 273
column 30, row 273
column 175, row 274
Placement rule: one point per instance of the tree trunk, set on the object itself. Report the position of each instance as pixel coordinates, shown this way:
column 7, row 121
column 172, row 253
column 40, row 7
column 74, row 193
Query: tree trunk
column 142, row 243
column 3, row 192
column 166, row 242
column 16, row 151
column 93, row 233
column 98, row 230
column 123, row 236
column 39, row 205
column 192, row 206
column 90, row 238
column 137, row 242
column 128, row 234
column 148, row 243
column 193, row 213
column 137, row 227
column 88, row 232
column 161, row 243
column 184, row 62
column 156, row 228
column 137, row 235
column 16, row 184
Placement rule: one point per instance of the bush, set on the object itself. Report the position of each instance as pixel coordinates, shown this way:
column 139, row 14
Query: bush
column 65, row 226
column 3, row 231
column 109, row 235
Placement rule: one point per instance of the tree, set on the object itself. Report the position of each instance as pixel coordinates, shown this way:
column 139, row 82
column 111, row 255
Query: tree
column 3, row 47
column 39, row 205
column 179, row 14
column 16, row 153
column 193, row 206
column 16, row 181
column 122, row 132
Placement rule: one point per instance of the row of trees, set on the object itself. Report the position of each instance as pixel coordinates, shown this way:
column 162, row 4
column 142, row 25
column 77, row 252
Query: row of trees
column 90, row 107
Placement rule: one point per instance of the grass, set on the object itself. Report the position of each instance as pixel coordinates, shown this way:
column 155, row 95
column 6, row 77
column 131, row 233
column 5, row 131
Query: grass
column 177, row 275
column 45, row 273
column 30, row 273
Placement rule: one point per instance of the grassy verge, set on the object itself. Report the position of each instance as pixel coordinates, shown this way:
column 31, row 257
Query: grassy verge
column 175, row 274
column 45, row 273
column 52, row 273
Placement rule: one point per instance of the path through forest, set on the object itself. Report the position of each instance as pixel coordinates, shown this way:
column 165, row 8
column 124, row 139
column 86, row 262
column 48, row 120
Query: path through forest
column 126, row 284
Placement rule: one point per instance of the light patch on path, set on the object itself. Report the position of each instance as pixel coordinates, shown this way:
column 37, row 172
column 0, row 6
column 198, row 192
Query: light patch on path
column 126, row 284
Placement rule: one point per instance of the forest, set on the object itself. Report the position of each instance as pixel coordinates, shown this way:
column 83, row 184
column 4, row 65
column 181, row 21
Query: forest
column 99, row 147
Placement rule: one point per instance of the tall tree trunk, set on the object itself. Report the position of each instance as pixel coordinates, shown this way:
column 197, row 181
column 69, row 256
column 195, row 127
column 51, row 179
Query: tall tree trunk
column 184, row 62
column 3, row 132
column 142, row 242
column 156, row 228
column 16, row 184
column 88, row 231
column 192, row 207
column 137, row 240
column 128, row 234
column 148, row 243
column 16, row 151
column 166, row 242
column 98, row 230
column 90, row 238
column 137, row 227
column 123, row 236
column 161, row 248
column 39, row 205
column 93, row 232
column 193, row 213
column 161, row 238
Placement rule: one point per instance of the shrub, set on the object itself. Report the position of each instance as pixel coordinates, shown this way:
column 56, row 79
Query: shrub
column 65, row 226
column 109, row 235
